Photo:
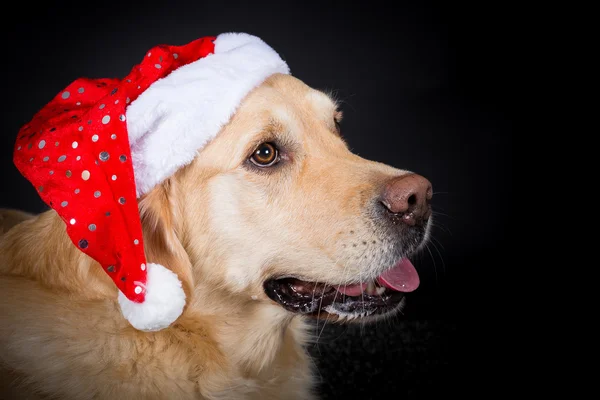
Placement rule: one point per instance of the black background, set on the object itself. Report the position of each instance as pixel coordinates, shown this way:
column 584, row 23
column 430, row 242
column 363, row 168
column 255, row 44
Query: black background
column 424, row 86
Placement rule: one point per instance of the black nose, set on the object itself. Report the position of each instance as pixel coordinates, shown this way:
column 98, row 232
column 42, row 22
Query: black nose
column 407, row 199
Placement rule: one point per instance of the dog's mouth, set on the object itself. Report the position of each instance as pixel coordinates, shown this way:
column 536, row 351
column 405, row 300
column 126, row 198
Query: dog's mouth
column 383, row 295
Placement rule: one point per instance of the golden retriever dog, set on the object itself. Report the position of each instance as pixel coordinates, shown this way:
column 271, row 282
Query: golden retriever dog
column 275, row 222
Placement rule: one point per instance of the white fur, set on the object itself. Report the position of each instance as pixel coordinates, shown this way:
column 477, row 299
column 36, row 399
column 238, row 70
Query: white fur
column 164, row 301
column 177, row 115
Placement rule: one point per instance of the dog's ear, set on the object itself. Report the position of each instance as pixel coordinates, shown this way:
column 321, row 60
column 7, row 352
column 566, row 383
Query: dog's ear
column 162, row 232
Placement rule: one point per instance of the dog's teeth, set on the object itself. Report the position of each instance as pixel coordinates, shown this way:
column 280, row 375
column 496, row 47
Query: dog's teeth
column 380, row 290
column 371, row 288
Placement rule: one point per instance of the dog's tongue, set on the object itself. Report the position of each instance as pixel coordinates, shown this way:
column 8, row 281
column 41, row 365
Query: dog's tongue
column 403, row 277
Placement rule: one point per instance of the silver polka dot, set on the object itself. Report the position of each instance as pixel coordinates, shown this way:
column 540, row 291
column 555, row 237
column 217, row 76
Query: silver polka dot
column 76, row 191
column 116, row 101
column 42, row 144
column 64, row 203
column 113, row 136
column 122, row 200
column 122, row 117
column 56, row 144
column 80, row 128
column 149, row 54
column 95, row 138
column 135, row 241
column 127, row 100
column 66, row 95
column 19, row 148
column 78, row 158
column 51, row 172
column 139, row 87
column 89, row 122
column 160, row 58
column 104, row 156
column 72, row 221
column 143, row 266
column 107, row 213
column 106, row 119
column 137, row 290
column 92, row 227
column 46, row 158
column 74, row 145
column 29, row 145
column 78, row 103
column 41, row 188
column 157, row 66
column 122, row 158
column 81, row 90
column 175, row 56
column 85, row 175
column 68, row 174
column 114, row 177
column 97, row 194
column 83, row 244
column 62, row 158
column 110, row 268
column 102, row 106
column 31, row 159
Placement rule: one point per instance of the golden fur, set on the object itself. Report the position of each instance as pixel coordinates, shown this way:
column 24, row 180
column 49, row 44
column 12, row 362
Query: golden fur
column 224, row 227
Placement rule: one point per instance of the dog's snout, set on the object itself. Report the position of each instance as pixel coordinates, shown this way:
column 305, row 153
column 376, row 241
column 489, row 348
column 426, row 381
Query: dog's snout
column 407, row 197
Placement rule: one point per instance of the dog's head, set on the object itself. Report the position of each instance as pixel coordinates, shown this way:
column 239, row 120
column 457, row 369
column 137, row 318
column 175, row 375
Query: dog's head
column 277, row 211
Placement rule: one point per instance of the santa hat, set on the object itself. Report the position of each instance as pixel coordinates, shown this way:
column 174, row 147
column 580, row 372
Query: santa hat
column 100, row 144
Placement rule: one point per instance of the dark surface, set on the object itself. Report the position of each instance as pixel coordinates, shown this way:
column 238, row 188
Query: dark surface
column 426, row 88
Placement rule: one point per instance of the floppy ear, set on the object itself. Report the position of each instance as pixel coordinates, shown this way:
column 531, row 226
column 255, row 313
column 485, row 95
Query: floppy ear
column 161, row 229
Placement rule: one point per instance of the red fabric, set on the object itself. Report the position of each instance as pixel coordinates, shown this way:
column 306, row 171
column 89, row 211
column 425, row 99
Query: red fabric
column 70, row 139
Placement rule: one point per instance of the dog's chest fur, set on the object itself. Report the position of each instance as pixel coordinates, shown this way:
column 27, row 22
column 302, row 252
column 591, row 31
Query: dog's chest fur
column 183, row 363
column 62, row 336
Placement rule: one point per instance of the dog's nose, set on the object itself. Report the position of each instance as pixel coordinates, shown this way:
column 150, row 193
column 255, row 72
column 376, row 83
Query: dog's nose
column 407, row 197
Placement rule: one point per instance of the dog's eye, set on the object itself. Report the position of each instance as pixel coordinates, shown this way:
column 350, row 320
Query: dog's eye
column 265, row 155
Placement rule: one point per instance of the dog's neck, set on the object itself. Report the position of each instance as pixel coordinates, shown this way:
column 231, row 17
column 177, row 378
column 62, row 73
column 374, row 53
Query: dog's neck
column 253, row 336
column 264, row 338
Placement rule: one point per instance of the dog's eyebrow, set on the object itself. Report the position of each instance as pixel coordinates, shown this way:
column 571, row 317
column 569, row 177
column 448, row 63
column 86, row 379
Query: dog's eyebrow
column 273, row 131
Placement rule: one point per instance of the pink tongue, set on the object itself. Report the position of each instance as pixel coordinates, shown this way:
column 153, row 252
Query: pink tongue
column 352, row 290
column 402, row 278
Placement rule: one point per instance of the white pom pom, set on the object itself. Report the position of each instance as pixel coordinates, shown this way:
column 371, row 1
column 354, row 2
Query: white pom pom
column 164, row 301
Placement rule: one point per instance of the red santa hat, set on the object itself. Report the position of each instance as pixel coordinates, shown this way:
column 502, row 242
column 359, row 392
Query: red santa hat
column 100, row 144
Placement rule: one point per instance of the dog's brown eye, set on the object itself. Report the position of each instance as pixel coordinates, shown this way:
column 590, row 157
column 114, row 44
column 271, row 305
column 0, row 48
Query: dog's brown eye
column 265, row 155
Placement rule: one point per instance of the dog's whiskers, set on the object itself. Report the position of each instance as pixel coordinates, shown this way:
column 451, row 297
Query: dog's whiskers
column 433, row 260
column 334, row 298
column 326, row 318
column 438, row 252
column 362, row 295
column 438, row 242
